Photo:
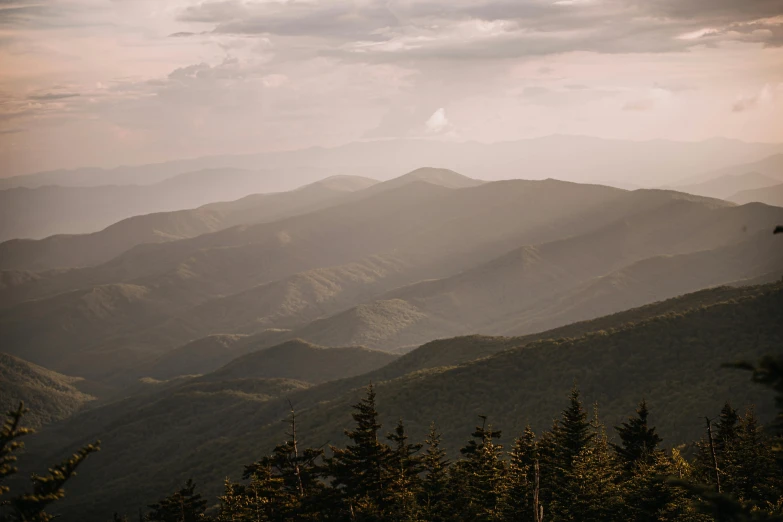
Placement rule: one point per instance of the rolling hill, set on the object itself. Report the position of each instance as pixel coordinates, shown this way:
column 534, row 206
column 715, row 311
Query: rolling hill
column 49, row 395
column 391, row 269
column 670, row 353
column 769, row 195
column 70, row 251
column 541, row 287
column 723, row 187
column 40, row 212
column 441, row 231
column 302, row 361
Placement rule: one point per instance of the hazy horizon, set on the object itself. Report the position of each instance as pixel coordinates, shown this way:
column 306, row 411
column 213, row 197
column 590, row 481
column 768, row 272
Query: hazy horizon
column 103, row 83
column 108, row 167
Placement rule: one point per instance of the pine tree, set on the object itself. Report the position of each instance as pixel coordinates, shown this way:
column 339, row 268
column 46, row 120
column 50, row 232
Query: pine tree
column 9, row 443
column 520, row 483
column 590, row 492
column 479, row 476
column 560, row 447
column 435, row 485
column 266, row 499
column 29, row 507
column 403, row 469
column 726, row 429
column 639, row 442
column 751, row 473
column 357, row 471
column 232, row 502
column 651, row 496
column 184, row 505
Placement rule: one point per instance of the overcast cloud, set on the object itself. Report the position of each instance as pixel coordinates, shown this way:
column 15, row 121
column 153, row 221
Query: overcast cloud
column 107, row 82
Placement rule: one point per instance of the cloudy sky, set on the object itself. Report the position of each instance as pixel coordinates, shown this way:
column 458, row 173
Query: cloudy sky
column 107, row 82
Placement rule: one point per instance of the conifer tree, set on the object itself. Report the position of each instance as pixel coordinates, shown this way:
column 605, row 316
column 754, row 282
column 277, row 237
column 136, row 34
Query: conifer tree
column 403, row 469
column 520, row 482
column 30, row 507
column 358, row 471
column 590, row 492
column 651, row 496
column 435, row 484
column 559, row 448
column 9, row 443
column 726, row 429
column 751, row 473
column 478, row 478
column 184, row 505
column 639, row 442
column 232, row 503
column 266, row 498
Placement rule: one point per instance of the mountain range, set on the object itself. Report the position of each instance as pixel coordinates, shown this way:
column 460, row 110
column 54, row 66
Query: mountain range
column 208, row 426
column 88, row 200
column 431, row 254
column 188, row 335
column 79, row 250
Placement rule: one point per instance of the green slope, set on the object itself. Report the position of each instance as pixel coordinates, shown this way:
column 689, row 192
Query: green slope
column 673, row 360
column 49, row 395
column 302, row 361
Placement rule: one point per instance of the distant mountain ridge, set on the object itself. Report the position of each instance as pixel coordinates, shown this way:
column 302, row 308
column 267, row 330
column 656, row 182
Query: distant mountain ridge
column 725, row 186
column 575, row 158
column 507, row 257
column 48, row 210
column 71, row 251
column 769, row 195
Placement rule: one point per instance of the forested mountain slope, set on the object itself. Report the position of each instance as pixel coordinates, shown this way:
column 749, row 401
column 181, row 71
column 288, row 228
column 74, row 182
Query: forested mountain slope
column 672, row 359
column 49, row 395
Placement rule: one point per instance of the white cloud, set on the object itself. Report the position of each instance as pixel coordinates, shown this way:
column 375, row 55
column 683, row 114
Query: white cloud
column 437, row 122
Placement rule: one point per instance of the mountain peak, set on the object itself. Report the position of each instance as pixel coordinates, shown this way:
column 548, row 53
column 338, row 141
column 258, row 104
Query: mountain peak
column 343, row 183
column 438, row 176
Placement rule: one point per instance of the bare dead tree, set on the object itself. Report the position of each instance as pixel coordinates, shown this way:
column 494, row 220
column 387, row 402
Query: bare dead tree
column 538, row 509
column 714, row 455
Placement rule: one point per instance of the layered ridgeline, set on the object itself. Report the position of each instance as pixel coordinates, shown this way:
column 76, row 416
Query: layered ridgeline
column 70, row 251
column 43, row 211
column 770, row 195
column 751, row 178
column 208, row 427
column 50, row 396
column 726, row 186
column 431, row 254
column 576, row 158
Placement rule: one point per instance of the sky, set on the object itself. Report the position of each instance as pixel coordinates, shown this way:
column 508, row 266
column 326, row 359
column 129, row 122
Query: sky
column 110, row 82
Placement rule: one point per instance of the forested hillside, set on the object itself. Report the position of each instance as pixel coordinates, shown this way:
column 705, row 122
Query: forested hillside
column 669, row 353
column 50, row 395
